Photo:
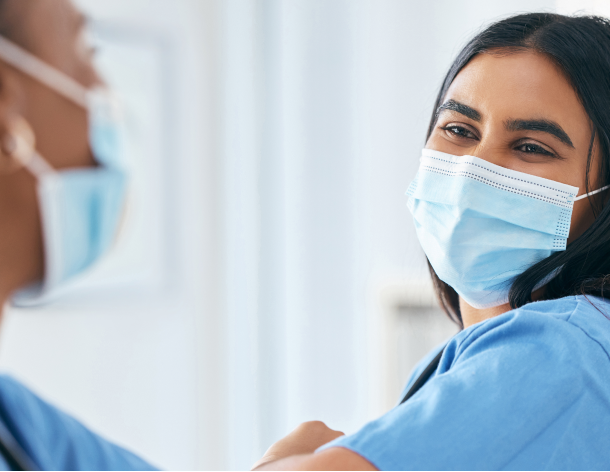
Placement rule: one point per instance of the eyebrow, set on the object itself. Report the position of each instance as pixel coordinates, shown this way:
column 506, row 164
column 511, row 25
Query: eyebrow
column 460, row 108
column 546, row 126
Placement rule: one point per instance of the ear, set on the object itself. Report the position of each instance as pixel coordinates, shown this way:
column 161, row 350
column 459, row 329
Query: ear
column 16, row 136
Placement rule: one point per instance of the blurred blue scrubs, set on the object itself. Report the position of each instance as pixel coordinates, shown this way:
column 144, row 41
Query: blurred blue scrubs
column 52, row 439
column 529, row 389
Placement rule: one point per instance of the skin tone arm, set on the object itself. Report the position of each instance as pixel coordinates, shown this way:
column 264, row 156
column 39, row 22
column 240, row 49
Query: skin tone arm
column 514, row 110
column 296, row 452
column 335, row 458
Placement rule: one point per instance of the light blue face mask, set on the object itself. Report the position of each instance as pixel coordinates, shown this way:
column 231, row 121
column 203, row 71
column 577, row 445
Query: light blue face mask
column 481, row 225
column 80, row 208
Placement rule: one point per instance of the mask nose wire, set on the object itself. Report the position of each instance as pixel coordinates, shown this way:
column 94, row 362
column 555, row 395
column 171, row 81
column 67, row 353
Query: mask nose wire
column 44, row 73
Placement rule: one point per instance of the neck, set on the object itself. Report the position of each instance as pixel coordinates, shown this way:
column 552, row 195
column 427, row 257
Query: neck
column 471, row 315
column 14, row 274
column 4, row 297
column 6, row 289
column 10, row 276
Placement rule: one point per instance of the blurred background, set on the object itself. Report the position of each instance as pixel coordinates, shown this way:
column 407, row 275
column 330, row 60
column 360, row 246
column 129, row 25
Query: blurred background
column 268, row 272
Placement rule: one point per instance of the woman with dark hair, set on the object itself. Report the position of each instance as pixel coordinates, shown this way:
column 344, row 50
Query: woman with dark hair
column 510, row 207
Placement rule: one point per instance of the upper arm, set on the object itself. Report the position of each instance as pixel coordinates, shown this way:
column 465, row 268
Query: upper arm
column 334, row 458
column 488, row 403
column 499, row 400
column 55, row 440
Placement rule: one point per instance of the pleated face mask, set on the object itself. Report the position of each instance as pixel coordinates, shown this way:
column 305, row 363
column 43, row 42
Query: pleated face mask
column 481, row 225
column 80, row 208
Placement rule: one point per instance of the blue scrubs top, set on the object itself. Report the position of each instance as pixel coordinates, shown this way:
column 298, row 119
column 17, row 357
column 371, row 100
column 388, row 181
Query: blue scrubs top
column 52, row 439
column 529, row 389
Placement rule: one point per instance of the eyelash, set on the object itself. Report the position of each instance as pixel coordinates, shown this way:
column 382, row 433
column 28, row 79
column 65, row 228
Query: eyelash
column 463, row 131
column 451, row 129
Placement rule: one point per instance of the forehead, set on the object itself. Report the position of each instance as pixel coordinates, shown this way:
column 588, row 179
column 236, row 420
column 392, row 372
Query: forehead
column 521, row 85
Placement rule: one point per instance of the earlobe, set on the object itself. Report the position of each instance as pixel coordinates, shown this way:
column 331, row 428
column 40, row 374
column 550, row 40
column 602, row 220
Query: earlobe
column 17, row 144
column 8, row 165
column 17, row 140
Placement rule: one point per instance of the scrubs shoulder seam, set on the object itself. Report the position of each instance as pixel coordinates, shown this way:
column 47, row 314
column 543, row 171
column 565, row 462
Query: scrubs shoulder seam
column 584, row 332
column 472, row 333
column 573, row 311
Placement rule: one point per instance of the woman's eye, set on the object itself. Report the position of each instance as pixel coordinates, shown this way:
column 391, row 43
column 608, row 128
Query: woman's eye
column 530, row 148
column 459, row 132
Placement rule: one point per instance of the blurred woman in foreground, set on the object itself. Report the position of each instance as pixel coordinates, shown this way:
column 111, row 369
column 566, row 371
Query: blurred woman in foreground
column 62, row 189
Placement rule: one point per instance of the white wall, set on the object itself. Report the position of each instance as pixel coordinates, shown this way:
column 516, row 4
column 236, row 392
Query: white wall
column 342, row 93
column 592, row 7
column 294, row 129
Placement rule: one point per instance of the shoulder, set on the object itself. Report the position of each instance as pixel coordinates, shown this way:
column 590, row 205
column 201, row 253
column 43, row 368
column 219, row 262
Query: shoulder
column 560, row 331
column 22, row 409
column 54, row 439
column 17, row 401
column 529, row 385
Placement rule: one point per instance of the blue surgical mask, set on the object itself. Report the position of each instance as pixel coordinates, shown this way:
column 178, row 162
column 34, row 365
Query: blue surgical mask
column 80, row 208
column 481, row 225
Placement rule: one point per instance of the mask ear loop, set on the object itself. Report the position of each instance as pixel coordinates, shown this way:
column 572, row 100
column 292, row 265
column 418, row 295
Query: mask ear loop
column 23, row 149
column 592, row 193
column 46, row 74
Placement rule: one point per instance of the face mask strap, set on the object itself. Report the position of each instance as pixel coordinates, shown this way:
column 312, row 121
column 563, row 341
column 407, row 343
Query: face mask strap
column 24, row 149
column 39, row 70
column 592, row 193
column 38, row 166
